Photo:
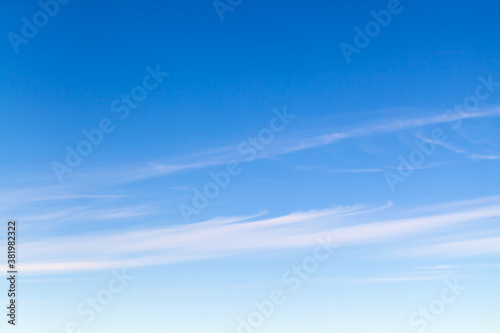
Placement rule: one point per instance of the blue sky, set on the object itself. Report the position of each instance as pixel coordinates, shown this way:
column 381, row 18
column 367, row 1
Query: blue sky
column 391, row 157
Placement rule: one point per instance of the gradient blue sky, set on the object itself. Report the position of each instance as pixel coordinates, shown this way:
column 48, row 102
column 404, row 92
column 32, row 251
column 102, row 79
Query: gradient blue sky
column 322, row 177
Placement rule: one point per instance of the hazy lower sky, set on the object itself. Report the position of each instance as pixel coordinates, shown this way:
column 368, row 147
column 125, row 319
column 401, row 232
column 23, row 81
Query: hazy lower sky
column 252, row 166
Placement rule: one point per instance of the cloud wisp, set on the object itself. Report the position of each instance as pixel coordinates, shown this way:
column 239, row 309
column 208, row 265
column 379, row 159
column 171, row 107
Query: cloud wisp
column 222, row 237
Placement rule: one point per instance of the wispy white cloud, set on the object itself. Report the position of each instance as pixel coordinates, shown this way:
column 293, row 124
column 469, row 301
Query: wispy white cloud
column 466, row 248
column 330, row 170
column 112, row 176
column 388, row 127
column 221, row 155
column 438, row 267
column 222, row 237
column 461, row 151
column 21, row 196
column 398, row 279
column 484, row 157
column 358, row 170
column 90, row 214
column 457, row 205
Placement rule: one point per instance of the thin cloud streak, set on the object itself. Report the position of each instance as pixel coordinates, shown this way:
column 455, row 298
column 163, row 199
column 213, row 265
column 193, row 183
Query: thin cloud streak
column 109, row 177
column 467, row 248
column 390, row 127
column 220, row 156
column 223, row 237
